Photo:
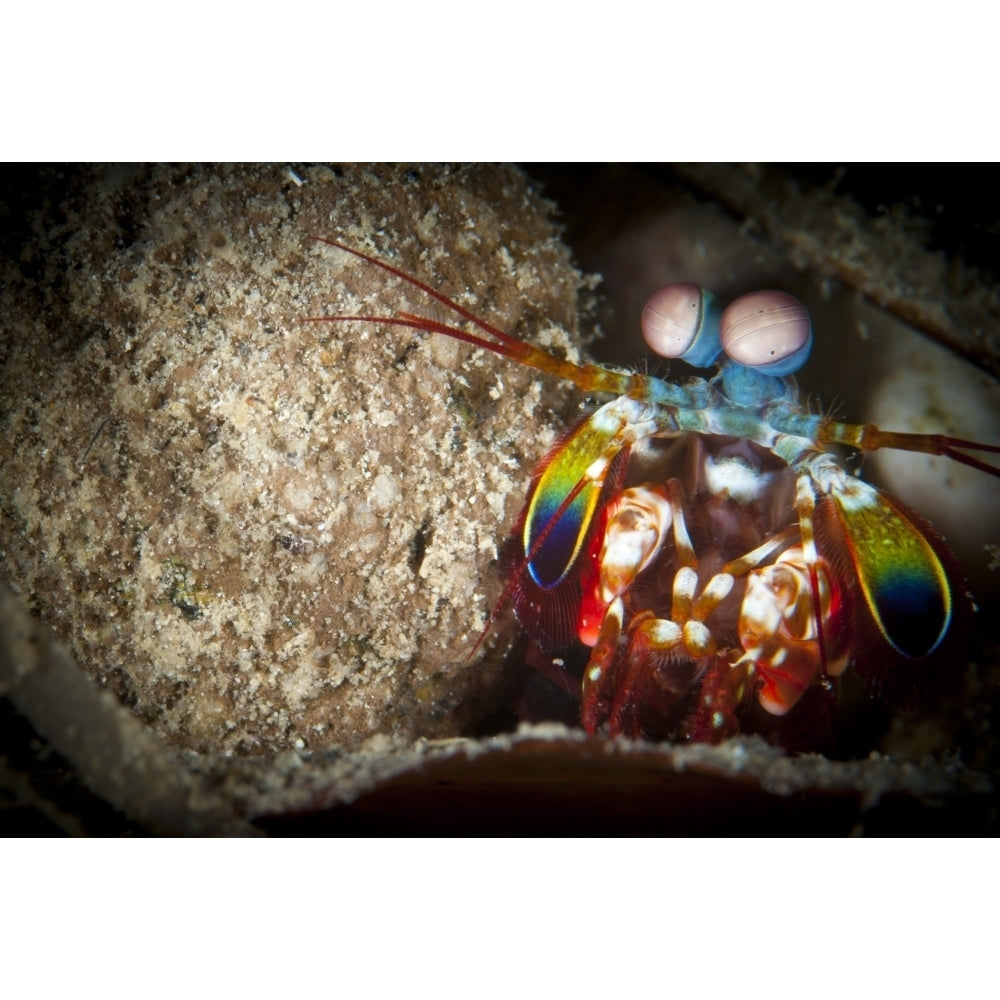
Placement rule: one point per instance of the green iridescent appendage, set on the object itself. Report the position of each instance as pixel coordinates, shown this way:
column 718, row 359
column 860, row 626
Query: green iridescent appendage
column 904, row 583
column 553, row 545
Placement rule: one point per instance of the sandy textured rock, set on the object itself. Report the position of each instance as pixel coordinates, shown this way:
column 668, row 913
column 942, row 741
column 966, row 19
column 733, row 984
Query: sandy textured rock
column 261, row 533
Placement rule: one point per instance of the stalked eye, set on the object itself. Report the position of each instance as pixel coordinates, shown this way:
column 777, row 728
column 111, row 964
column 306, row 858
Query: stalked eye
column 682, row 321
column 769, row 331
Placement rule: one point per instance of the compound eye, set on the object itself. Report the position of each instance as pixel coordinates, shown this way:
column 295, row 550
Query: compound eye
column 682, row 321
column 769, row 331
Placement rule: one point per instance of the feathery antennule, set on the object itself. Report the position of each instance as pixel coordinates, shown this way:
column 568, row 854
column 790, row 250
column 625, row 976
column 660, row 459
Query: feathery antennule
column 589, row 377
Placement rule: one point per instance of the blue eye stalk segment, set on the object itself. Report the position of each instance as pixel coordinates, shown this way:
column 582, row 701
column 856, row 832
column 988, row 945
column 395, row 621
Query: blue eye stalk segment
column 851, row 578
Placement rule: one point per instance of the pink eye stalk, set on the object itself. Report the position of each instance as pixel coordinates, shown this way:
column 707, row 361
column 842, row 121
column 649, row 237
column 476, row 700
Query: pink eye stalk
column 682, row 321
column 769, row 331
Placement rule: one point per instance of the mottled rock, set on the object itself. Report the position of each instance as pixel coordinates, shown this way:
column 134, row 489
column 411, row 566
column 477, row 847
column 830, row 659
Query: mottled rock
column 262, row 533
